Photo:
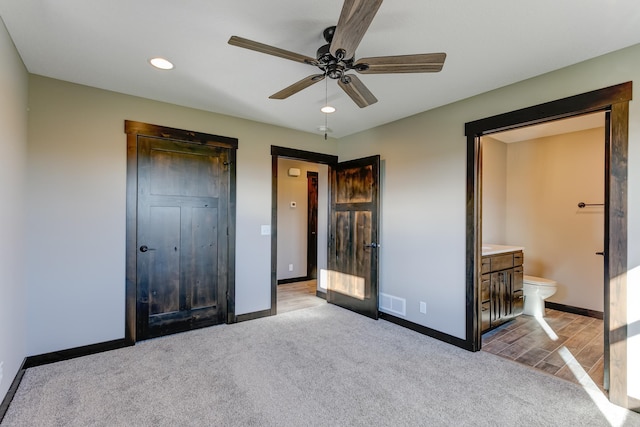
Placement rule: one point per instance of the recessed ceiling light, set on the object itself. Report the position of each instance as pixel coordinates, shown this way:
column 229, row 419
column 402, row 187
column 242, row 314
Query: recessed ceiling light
column 328, row 109
column 161, row 63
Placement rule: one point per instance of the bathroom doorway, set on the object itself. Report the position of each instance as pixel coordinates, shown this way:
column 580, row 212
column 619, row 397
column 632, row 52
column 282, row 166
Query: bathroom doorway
column 543, row 189
column 614, row 103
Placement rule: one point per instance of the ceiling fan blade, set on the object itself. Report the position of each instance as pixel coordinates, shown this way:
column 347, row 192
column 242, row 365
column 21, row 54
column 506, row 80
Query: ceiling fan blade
column 355, row 18
column 421, row 63
column 357, row 91
column 298, row 86
column 271, row 50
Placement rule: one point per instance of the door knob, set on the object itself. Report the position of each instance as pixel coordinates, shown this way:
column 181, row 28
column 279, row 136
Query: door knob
column 371, row 245
column 145, row 248
column 600, row 253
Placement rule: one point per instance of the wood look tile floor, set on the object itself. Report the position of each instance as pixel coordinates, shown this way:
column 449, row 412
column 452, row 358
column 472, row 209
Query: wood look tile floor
column 566, row 345
column 298, row 295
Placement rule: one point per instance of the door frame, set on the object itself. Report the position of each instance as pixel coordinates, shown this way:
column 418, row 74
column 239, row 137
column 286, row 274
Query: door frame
column 293, row 154
column 614, row 101
column 133, row 129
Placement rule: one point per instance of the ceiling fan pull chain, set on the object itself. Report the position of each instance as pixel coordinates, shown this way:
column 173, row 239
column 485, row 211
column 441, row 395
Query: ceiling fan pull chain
column 326, row 102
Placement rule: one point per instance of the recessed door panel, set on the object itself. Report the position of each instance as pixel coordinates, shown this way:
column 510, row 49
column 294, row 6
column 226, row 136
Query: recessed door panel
column 164, row 255
column 203, row 258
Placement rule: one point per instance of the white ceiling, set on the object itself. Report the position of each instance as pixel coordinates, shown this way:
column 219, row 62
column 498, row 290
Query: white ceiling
column 491, row 43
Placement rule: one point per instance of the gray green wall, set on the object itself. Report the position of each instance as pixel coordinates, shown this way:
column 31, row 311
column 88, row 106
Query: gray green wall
column 13, row 163
column 423, row 198
column 76, row 206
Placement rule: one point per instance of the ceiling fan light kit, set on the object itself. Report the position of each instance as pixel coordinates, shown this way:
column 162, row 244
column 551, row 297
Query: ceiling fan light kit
column 336, row 58
column 161, row 63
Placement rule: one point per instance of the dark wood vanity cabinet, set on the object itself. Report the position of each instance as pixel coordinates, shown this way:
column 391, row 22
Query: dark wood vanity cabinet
column 501, row 290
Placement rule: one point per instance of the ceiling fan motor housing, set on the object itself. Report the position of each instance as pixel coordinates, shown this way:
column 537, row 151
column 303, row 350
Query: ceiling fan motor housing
column 333, row 67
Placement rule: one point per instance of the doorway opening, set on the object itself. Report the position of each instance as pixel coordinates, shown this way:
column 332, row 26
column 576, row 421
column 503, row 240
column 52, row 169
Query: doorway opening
column 353, row 230
column 292, row 274
column 302, row 237
column 534, row 181
column 614, row 103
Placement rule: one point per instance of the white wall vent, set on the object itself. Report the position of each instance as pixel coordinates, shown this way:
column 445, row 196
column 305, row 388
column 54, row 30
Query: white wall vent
column 392, row 305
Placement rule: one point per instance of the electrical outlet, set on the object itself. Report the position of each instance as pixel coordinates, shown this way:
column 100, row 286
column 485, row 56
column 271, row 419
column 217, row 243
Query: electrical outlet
column 290, row 267
column 423, row 307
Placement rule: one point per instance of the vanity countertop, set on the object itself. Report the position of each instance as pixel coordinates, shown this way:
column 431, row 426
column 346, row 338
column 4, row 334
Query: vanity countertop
column 489, row 249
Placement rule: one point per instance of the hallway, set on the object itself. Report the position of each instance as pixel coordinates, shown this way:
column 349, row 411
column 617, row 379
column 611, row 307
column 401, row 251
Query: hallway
column 298, row 295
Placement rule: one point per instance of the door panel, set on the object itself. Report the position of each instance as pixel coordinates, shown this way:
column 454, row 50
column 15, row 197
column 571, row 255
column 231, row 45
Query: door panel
column 164, row 277
column 168, row 177
column 183, row 195
column 355, row 184
column 353, row 256
column 204, row 243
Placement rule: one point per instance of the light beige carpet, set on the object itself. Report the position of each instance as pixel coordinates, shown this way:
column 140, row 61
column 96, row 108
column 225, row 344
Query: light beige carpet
column 322, row 366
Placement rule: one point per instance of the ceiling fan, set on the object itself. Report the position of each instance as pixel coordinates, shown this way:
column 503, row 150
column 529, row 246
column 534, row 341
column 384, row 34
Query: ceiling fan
column 336, row 58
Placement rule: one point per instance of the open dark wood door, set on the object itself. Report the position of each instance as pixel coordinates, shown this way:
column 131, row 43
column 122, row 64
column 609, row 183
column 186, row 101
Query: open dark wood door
column 352, row 279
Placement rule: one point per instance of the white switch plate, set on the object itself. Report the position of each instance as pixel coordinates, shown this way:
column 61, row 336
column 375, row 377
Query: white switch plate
column 265, row 230
column 290, row 267
column 423, row 307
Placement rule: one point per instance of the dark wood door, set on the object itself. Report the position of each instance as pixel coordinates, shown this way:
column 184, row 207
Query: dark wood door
column 353, row 253
column 312, row 225
column 182, row 220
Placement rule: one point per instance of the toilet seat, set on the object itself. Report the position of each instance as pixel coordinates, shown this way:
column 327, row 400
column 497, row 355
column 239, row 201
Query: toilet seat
column 538, row 281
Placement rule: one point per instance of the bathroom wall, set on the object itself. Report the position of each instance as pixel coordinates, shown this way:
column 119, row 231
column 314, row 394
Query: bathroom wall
column 292, row 221
column 546, row 178
column 494, row 191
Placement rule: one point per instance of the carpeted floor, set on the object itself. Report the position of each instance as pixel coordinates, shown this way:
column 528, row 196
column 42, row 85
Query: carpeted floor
column 322, row 366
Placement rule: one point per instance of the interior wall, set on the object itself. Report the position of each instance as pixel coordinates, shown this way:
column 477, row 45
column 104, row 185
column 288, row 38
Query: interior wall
column 75, row 280
column 423, row 224
column 546, row 179
column 494, row 191
column 13, row 146
column 76, row 207
column 292, row 221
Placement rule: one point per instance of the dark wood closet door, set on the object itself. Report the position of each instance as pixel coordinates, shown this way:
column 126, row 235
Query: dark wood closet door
column 353, row 255
column 182, row 207
column 312, row 225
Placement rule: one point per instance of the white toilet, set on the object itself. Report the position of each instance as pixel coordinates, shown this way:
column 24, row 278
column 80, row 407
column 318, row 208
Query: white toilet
column 536, row 290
